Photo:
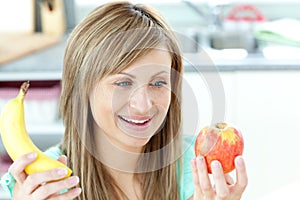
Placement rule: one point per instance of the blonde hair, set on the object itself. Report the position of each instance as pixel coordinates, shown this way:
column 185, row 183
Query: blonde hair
column 108, row 40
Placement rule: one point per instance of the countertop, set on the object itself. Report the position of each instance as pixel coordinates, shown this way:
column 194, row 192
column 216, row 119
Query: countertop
column 207, row 61
column 47, row 61
column 50, row 61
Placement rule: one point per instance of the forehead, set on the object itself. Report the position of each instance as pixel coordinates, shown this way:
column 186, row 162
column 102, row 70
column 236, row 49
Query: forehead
column 156, row 59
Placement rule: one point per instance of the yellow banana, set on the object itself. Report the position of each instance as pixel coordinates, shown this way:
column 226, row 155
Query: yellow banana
column 16, row 139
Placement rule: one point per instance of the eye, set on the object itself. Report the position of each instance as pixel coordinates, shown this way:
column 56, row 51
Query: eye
column 159, row 83
column 123, row 83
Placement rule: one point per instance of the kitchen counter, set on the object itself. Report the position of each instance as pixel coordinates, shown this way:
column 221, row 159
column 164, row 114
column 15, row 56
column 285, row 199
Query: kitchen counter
column 34, row 66
column 252, row 62
column 49, row 61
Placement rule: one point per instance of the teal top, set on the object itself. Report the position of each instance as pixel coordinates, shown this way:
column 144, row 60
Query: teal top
column 186, row 186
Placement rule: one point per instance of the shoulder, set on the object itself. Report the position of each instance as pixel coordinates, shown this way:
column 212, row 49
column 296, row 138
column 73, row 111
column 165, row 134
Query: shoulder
column 188, row 148
column 54, row 152
column 186, row 185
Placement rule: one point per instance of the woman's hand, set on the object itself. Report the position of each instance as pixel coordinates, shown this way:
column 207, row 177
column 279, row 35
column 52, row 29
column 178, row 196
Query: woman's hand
column 42, row 185
column 224, row 187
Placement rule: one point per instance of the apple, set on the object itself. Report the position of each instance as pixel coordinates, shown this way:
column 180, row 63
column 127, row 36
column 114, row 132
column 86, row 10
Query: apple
column 221, row 142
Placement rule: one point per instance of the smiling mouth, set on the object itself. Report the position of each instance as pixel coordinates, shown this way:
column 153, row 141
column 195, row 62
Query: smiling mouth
column 141, row 122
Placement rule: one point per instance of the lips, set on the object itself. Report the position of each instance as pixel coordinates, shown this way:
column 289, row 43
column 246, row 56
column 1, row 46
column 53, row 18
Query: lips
column 136, row 123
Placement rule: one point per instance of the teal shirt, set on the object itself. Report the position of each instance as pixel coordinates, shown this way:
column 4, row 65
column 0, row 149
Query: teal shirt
column 186, row 186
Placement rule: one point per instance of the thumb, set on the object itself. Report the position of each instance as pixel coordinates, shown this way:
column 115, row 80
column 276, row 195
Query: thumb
column 62, row 159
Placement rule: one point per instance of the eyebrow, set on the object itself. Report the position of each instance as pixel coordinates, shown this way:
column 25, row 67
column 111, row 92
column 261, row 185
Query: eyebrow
column 132, row 76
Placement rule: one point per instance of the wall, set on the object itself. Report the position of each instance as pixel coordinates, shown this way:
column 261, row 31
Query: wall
column 180, row 15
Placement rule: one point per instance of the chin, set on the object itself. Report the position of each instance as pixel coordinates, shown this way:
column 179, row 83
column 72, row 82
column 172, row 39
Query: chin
column 137, row 142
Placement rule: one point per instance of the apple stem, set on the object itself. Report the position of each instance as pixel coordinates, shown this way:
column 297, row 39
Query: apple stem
column 221, row 125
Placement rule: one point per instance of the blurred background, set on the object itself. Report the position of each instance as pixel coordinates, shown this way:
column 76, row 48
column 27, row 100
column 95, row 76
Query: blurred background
column 242, row 65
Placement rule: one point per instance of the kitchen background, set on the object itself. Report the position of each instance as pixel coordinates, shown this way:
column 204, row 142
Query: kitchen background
column 252, row 47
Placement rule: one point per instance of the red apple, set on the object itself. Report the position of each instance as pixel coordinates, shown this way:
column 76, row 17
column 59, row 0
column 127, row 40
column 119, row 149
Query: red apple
column 220, row 142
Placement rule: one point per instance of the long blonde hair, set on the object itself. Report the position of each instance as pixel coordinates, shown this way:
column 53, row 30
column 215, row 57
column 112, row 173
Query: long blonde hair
column 108, row 40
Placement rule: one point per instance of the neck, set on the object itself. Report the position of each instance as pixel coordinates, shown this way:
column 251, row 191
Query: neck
column 127, row 183
column 115, row 158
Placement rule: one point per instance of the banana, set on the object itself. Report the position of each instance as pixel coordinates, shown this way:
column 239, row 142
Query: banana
column 16, row 139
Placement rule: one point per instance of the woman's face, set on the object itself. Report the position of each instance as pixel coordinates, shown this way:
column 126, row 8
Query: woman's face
column 130, row 107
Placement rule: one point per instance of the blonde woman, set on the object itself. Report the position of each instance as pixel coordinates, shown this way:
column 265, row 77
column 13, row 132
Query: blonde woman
column 121, row 106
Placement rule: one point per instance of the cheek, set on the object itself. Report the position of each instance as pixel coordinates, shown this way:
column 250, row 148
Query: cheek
column 162, row 99
column 101, row 106
column 120, row 98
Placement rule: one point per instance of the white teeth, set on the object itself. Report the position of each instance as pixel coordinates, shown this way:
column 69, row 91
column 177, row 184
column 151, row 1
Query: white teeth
column 134, row 121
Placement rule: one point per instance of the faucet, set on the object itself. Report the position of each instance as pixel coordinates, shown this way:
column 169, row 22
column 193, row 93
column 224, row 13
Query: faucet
column 214, row 17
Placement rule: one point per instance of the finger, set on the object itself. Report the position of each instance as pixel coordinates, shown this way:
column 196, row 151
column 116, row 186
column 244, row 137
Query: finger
column 241, row 175
column 221, row 186
column 197, row 187
column 18, row 167
column 62, row 159
column 229, row 179
column 35, row 180
column 71, row 194
column 53, row 188
column 203, row 177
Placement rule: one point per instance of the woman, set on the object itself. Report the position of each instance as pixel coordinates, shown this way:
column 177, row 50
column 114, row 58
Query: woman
column 121, row 106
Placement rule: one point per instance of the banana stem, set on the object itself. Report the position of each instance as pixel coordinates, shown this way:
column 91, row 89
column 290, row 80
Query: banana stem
column 24, row 89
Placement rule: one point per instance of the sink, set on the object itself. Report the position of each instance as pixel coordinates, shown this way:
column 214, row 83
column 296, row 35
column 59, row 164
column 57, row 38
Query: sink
column 227, row 51
column 232, row 45
column 233, row 40
column 219, row 44
column 193, row 40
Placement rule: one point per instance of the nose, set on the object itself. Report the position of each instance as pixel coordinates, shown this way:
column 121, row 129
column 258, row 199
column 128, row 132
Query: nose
column 140, row 101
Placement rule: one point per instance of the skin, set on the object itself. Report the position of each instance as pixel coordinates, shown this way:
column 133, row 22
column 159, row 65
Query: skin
column 225, row 188
column 32, row 187
column 141, row 91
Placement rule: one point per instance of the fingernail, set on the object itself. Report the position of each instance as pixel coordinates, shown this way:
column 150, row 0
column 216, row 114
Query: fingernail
column 200, row 161
column 62, row 172
column 239, row 161
column 73, row 180
column 32, row 155
column 215, row 165
column 77, row 191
